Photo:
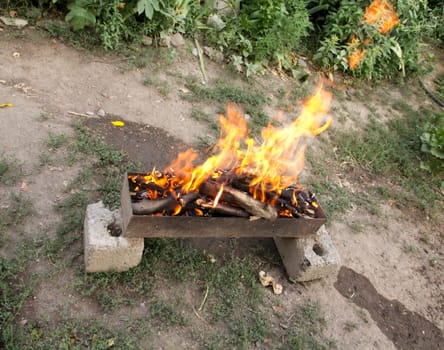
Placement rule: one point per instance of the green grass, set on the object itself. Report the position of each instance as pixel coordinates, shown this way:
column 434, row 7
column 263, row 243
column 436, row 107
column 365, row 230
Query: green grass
column 350, row 326
column 393, row 152
column 161, row 86
column 72, row 333
column 250, row 99
column 224, row 92
column 10, row 170
column 211, row 120
column 43, row 117
column 165, row 314
column 56, row 141
column 17, row 209
column 306, row 330
column 14, row 290
column 439, row 83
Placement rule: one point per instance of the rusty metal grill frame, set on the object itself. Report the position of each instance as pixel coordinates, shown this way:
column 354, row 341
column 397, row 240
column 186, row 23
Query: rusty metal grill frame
column 221, row 227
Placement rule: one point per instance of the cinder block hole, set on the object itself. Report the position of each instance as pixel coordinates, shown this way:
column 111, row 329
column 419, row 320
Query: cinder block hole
column 114, row 229
column 317, row 248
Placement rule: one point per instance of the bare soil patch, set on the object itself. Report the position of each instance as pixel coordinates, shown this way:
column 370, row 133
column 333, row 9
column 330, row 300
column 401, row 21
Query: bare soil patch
column 407, row 330
column 390, row 257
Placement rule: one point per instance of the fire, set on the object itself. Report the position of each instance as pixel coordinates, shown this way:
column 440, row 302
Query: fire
column 379, row 12
column 271, row 165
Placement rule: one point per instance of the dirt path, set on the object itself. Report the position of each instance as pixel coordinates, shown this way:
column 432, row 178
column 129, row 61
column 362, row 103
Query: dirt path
column 46, row 79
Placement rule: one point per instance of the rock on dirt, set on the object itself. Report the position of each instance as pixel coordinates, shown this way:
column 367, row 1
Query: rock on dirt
column 14, row 22
column 177, row 40
column 101, row 112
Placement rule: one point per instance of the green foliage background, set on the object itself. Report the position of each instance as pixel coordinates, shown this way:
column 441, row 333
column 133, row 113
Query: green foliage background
column 255, row 34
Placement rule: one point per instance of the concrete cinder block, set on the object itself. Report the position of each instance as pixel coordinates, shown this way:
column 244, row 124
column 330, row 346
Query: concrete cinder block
column 103, row 251
column 310, row 258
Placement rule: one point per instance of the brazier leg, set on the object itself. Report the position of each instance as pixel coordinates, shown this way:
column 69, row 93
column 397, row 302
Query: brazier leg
column 103, row 251
column 310, row 258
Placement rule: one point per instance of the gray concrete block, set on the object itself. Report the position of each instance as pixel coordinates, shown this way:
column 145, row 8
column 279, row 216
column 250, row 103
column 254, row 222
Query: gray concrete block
column 103, row 251
column 309, row 258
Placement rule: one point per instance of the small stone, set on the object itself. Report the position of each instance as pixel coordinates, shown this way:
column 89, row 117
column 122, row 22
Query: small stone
column 213, row 54
column 194, row 52
column 177, row 40
column 216, row 22
column 165, row 41
column 101, row 112
column 302, row 63
column 24, row 187
column 147, row 40
column 14, row 22
column 184, row 90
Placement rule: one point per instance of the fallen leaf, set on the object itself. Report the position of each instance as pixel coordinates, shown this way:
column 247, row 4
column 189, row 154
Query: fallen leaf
column 111, row 342
column 268, row 280
column 24, row 187
column 117, row 123
column 4, row 105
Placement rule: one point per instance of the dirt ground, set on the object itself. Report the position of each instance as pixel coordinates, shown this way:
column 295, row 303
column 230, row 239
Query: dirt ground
column 392, row 299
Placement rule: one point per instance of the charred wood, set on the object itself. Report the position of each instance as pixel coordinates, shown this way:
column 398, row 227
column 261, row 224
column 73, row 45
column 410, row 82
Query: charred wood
column 242, row 199
column 223, row 209
column 146, row 206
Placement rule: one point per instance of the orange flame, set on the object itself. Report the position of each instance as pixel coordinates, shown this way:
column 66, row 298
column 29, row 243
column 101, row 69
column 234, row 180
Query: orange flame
column 272, row 165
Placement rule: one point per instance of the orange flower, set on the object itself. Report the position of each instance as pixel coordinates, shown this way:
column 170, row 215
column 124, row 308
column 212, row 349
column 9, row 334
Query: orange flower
column 388, row 23
column 355, row 58
column 374, row 12
column 380, row 11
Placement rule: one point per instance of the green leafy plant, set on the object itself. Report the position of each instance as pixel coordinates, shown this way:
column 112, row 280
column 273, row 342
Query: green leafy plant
column 81, row 13
column 147, row 7
column 384, row 54
column 433, row 144
column 262, row 32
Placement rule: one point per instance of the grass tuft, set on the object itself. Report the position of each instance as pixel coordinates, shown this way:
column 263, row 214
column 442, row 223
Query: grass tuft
column 393, row 151
column 56, row 141
column 10, row 170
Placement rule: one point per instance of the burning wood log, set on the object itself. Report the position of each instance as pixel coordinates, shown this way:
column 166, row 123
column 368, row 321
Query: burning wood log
column 147, row 206
column 169, row 204
column 188, row 198
column 242, row 199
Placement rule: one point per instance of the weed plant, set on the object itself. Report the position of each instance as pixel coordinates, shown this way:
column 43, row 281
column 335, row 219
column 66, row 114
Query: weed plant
column 393, row 150
column 386, row 55
column 252, row 101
